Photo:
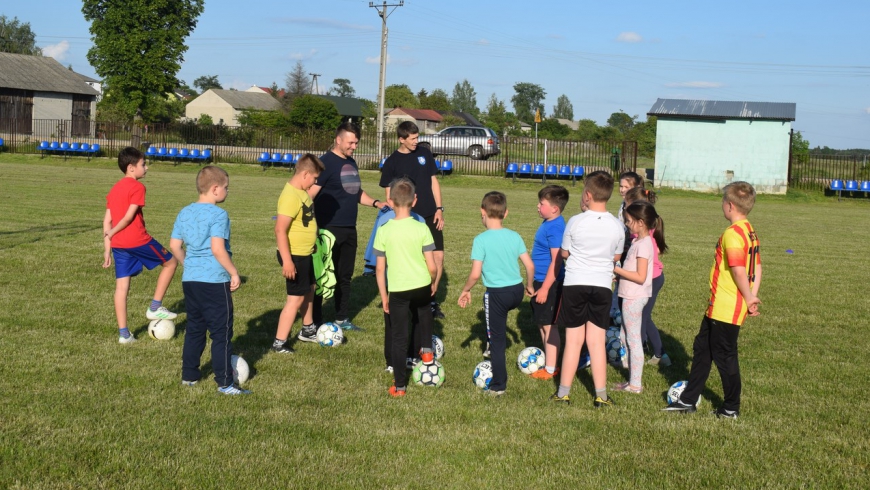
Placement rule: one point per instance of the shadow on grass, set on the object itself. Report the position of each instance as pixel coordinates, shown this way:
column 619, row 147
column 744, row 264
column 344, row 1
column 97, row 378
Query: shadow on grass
column 12, row 239
column 681, row 362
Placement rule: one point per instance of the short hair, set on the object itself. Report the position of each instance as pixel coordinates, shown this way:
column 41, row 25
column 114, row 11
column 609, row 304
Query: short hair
column 600, row 185
column 554, row 194
column 406, row 128
column 129, row 156
column 348, row 127
column 209, row 176
column 640, row 194
column 741, row 195
column 310, row 163
column 495, row 204
column 402, row 192
column 635, row 178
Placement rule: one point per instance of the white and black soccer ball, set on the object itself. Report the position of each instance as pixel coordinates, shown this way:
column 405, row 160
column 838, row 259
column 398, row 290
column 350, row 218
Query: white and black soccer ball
column 530, row 360
column 677, row 389
column 330, row 335
column 161, row 329
column 241, row 371
column 428, row 374
column 437, row 347
column 482, row 376
column 615, row 350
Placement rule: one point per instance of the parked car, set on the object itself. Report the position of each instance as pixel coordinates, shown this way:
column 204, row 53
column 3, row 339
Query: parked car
column 475, row 142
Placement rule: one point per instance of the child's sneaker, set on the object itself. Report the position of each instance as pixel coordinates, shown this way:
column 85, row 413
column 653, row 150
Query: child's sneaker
column 160, row 314
column 665, row 360
column 560, row 399
column 627, row 387
column 427, row 357
column 396, row 392
column 126, row 340
column 599, row 402
column 436, row 311
column 282, row 349
column 185, row 382
column 233, row 390
column 493, row 393
column 308, row 334
column 680, row 407
column 347, row 325
column 726, row 414
column 543, row 374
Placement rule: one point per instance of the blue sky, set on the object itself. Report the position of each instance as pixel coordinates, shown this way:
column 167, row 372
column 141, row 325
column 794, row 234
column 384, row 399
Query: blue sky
column 605, row 57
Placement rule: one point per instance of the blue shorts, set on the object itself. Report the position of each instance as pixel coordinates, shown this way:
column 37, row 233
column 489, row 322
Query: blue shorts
column 129, row 261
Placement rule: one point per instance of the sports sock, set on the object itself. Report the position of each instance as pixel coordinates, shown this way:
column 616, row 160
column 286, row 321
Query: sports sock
column 155, row 304
column 307, row 327
column 601, row 393
column 551, row 369
column 278, row 342
column 124, row 332
column 563, row 391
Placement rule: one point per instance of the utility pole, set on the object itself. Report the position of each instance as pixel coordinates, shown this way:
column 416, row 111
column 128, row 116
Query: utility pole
column 314, row 88
column 383, row 14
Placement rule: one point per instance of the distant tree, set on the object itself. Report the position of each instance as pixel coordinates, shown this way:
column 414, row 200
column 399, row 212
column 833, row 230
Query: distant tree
column 313, row 112
column 495, row 117
column 551, row 128
column 342, row 88
column 263, row 119
column 205, row 120
column 563, row 108
column 800, row 148
column 587, row 130
column 464, row 98
column 437, row 100
column 207, row 82
column 17, row 38
column 164, row 108
column 527, row 99
column 139, row 46
column 298, row 83
column 274, row 90
column 621, row 122
column 399, row 96
column 644, row 133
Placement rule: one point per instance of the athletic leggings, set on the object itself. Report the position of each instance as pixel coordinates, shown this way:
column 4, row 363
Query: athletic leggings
column 649, row 330
column 632, row 312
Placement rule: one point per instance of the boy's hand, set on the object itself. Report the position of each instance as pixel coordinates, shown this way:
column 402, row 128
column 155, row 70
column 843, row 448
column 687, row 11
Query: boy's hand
column 235, row 282
column 530, row 291
column 464, row 299
column 752, row 305
column 288, row 270
column 107, row 259
column 541, row 296
column 385, row 304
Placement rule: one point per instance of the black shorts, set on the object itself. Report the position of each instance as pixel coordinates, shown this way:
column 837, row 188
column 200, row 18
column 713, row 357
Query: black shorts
column 437, row 235
column 581, row 304
column 301, row 284
column 545, row 314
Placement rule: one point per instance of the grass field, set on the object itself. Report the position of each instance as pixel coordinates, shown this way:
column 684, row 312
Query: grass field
column 81, row 411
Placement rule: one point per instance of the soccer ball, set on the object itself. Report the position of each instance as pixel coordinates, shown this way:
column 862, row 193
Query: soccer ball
column 615, row 350
column 676, row 390
column 330, row 335
column 241, row 371
column 161, row 329
column 530, row 360
column 437, row 347
column 612, row 333
column 428, row 374
column 585, row 360
column 482, row 375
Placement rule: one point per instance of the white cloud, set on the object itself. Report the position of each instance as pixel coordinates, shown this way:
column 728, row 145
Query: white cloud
column 483, row 42
column 629, row 37
column 697, row 84
column 57, row 51
column 302, row 56
column 240, row 85
column 867, row 110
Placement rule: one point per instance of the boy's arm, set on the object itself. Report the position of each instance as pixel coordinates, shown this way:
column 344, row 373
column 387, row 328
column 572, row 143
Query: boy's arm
column 738, row 273
column 530, row 273
column 430, row 264
column 638, row 276
column 125, row 221
column 107, row 241
column 380, row 269
column 473, row 276
column 282, row 225
column 555, row 262
column 313, row 190
column 565, row 254
column 175, row 245
column 219, row 250
column 436, row 192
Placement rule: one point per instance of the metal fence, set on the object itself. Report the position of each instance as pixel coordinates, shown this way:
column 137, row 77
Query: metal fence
column 240, row 144
column 816, row 170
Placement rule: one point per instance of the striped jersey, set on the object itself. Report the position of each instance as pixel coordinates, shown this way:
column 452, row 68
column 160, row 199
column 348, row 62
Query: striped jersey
column 737, row 247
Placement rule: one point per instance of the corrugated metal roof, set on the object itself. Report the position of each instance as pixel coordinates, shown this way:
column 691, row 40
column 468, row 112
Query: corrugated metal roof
column 248, row 100
column 720, row 109
column 41, row 74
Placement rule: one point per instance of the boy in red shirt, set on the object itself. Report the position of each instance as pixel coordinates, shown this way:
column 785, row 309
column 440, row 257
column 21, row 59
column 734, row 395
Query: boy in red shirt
column 125, row 239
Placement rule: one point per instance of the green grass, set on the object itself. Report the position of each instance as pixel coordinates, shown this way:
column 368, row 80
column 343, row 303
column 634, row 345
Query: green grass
column 81, row 411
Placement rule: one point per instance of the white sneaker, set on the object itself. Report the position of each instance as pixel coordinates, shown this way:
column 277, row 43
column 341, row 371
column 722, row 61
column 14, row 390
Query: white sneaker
column 233, row 390
column 160, row 314
column 126, row 340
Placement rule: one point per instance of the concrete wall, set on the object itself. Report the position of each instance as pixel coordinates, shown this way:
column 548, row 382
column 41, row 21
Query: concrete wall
column 52, row 105
column 216, row 107
column 706, row 155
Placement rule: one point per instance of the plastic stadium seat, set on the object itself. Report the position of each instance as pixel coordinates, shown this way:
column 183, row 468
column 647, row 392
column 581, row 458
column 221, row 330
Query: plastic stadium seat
column 383, row 160
column 194, row 154
column 447, row 167
column 75, row 147
column 85, row 148
column 565, row 171
column 95, row 148
column 287, row 160
column 296, row 158
column 512, row 168
column 43, row 146
column 65, row 147
column 865, row 186
column 206, row 155
column 161, row 152
column 2, row 142
column 54, row 146
column 151, row 152
column 851, row 185
column 538, row 169
column 578, row 172
column 837, row 185
column 552, row 171
column 183, row 153
column 275, row 158
column 525, row 169
column 172, row 153
column 263, row 159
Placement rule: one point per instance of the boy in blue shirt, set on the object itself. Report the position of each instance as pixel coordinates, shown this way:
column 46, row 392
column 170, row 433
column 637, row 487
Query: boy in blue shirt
column 201, row 242
column 494, row 255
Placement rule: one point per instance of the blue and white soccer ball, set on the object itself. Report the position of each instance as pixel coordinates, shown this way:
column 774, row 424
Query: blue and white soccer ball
column 530, row 360
column 241, row 370
column 482, row 375
column 615, row 350
column 437, row 347
column 330, row 335
column 428, row 374
column 677, row 389
column 585, row 360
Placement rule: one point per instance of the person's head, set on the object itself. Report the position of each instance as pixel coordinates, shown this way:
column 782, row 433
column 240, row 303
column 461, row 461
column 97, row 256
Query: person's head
column 598, row 187
column 307, row 169
column 551, row 201
column 213, row 182
column 639, row 194
column 408, row 132
column 132, row 160
column 402, row 193
column 738, row 196
column 628, row 180
column 641, row 217
column 346, row 139
column 494, row 205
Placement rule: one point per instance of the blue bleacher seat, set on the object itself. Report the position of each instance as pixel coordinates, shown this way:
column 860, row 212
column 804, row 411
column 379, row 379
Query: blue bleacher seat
column 43, row 147
column 75, row 147
column 837, row 185
column 2, row 142
column 161, row 152
column 538, row 169
column 275, row 158
column 447, row 167
column 565, row 171
column 54, row 146
column 578, row 172
column 95, row 148
column 525, row 169
column 85, row 148
column 287, row 160
column 851, row 185
column 64, row 146
column 206, row 155
column 151, row 152
column 865, row 186
column 263, row 159
column 183, row 153
column 552, row 171
column 512, row 168
column 194, row 154
column 296, row 158
column 383, row 160
column 172, row 153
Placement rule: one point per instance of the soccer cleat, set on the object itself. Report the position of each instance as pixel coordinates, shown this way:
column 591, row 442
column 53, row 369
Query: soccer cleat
column 436, row 311
column 493, row 393
column 543, row 374
column 308, row 334
column 679, row 407
column 726, row 414
column 126, row 340
column 233, row 390
column 627, row 387
column 599, row 403
column 396, row 392
column 560, row 399
column 347, row 325
column 486, row 352
column 282, row 349
column 389, row 369
column 427, row 357
column 185, row 382
column 663, row 361
column 160, row 314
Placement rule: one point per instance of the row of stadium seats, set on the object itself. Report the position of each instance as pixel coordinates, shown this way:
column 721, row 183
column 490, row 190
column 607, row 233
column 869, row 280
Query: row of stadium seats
column 445, row 167
column 850, row 186
column 178, row 154
column 539, row 170
column 284, row 159
column 66, row 149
